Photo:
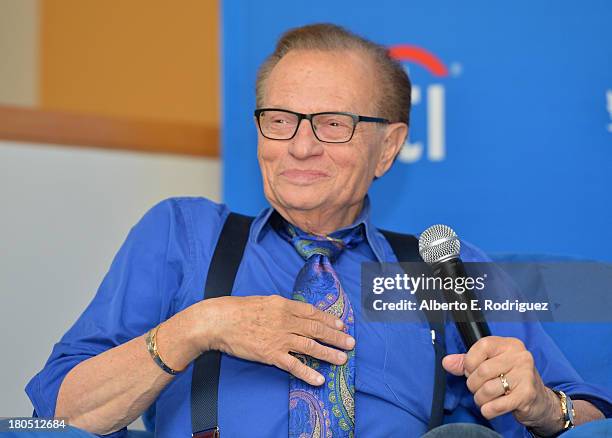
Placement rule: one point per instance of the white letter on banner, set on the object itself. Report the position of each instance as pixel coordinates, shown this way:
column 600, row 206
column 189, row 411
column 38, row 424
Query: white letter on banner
column 436, row 150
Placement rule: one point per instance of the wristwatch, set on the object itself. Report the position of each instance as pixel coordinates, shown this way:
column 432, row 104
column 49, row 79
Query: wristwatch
column 567, row 410
column 567, row 415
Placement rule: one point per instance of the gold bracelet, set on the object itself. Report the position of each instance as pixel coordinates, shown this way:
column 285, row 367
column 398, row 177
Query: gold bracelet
column 151, row 340
column 567, row 410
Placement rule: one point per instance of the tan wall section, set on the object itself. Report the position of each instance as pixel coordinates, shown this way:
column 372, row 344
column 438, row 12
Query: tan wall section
column 19, row 52
column 131, row 58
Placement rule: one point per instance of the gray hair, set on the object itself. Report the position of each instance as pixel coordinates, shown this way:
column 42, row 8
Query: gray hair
column 393, row 82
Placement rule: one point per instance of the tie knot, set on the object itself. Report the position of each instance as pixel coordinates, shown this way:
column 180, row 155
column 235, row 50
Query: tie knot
column 329, row 246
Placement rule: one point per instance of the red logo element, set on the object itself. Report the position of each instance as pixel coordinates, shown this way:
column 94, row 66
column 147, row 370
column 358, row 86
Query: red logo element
column 421, row 57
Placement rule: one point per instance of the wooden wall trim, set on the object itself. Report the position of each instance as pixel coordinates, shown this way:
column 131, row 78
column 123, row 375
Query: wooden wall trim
column 90, row 130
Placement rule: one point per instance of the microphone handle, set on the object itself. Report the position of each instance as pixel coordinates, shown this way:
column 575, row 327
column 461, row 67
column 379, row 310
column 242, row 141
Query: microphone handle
column 470, row 323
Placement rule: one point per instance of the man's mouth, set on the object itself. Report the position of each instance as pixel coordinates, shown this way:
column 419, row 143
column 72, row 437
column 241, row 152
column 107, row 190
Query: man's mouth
column 300, row 176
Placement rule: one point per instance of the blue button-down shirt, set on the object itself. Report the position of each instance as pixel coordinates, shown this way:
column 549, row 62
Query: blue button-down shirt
column 161, row 269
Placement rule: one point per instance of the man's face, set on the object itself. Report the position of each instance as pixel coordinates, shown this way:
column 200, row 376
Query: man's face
column 304, row 173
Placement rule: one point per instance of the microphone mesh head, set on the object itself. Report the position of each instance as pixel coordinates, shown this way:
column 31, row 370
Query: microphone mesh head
column 437, row 243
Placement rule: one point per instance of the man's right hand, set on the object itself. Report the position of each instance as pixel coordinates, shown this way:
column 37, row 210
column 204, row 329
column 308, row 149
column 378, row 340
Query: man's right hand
column 266, row 329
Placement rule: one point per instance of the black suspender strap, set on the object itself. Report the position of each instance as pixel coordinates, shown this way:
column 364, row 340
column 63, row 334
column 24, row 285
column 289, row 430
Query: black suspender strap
column 219, row 282
column 406, row 249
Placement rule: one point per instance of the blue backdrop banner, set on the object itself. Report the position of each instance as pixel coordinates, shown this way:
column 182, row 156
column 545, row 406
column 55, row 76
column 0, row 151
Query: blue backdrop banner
column 511, row 135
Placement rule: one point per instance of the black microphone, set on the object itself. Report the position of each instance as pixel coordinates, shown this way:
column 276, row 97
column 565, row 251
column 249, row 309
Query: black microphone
column 439, row 247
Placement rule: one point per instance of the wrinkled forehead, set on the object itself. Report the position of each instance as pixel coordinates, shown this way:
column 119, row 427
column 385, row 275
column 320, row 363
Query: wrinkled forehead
column 313, row 81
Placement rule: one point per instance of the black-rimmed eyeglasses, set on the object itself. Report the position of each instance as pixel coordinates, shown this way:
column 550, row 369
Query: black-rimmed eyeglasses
column 328, row 127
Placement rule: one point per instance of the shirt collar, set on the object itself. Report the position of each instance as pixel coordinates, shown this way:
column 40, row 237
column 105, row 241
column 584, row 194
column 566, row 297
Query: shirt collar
column 261, row 225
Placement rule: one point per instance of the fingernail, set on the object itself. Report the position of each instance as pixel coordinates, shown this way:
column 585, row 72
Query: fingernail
column 350, row 342
column 320, row 379
column 339, row 324
column 342, row 356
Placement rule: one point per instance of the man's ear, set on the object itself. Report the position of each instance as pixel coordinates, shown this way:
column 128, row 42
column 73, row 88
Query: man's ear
column 395, row 136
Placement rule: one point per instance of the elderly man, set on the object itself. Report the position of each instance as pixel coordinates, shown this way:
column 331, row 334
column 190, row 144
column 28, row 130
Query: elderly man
column 297, row 357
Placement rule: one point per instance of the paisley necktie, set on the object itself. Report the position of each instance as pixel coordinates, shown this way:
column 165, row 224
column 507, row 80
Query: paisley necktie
column 328, row 410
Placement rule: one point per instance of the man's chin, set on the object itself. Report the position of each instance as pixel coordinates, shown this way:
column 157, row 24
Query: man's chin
column 302, row 204
column 301, row 200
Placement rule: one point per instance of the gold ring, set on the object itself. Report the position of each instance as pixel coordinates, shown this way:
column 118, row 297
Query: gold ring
column 504, row 383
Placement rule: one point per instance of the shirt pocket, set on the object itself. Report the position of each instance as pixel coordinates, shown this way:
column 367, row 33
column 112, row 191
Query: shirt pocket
column 409, row 367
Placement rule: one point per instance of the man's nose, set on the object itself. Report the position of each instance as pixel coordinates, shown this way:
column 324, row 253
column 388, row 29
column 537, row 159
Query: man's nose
column 304, row 143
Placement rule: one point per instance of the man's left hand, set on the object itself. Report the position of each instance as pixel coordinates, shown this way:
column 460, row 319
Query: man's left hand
column 531, row 403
